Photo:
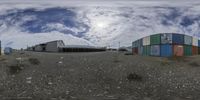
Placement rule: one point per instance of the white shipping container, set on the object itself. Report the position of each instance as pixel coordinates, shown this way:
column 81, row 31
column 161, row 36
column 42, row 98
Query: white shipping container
column 188, row 40
column 195, row 41
column 146, row 40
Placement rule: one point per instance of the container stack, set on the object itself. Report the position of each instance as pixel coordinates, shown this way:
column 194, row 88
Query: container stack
column 166, row 45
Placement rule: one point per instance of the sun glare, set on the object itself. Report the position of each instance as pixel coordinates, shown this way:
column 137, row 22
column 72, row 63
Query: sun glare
column 102, row 24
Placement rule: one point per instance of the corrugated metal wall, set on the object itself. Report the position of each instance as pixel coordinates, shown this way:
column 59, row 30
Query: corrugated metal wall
column 155, row 39
column 188, row 40
column 166, row 38
column 178, row 50
column 146, row 41
column 187, row 50
column 155, row 50
column 146, row 50
column 166, row 50
column 178, row 39
column 195, row 41
column 194, row 50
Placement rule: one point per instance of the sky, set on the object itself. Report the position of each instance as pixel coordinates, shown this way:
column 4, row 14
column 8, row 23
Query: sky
column 94, row 22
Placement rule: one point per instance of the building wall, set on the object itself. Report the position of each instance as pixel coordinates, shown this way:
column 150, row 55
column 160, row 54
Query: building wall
column 52, row 47
column 38, row 48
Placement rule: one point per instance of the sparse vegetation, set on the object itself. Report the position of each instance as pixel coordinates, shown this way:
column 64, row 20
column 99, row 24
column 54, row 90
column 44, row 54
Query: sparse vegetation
column 164, row 63
column 128, row 53
column 13, row 69
column 34, row 61
column 134, row 77
column 2, row 59
column 177, row 58
column 194, row 64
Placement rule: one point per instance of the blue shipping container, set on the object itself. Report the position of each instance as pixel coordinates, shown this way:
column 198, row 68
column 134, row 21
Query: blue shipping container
column 166, row 50
column 140, row 50
column 140, row 42
column 177, row 39
column 7, row 50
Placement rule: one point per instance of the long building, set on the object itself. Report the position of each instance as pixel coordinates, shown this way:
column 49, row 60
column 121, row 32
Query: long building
column 59, row 46
column 166, row 45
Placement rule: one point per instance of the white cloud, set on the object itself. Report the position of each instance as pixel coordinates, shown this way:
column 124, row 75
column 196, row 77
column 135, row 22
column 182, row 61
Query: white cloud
column 110, row 21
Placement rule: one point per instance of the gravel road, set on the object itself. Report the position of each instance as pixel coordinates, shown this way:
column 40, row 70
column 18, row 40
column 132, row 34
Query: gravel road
column 98, row 76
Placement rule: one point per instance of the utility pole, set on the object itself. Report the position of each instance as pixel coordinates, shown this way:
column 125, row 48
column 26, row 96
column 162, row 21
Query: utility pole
column 0, row 47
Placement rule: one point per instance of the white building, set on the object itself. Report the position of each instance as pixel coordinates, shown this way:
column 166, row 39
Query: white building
column 53, row 46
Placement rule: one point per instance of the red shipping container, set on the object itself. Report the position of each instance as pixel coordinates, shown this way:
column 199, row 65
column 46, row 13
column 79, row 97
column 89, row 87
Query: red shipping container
column 135, row 50
column 194, row 50
column 178, row 50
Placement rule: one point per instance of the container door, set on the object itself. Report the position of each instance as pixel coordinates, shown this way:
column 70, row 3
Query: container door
column 195, row 41
column 178, row 50
column 155, row 39
column 188, row 40
column 166, row 50
column 155, row 50
column 187, row 50
column 177, row 39
column 194, row 50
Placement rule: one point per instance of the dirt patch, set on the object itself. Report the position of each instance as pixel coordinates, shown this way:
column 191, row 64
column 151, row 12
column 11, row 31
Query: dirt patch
column 134, row 77
column 34, row 61
column 14, row 69
column 194, row 64
column 178, row 58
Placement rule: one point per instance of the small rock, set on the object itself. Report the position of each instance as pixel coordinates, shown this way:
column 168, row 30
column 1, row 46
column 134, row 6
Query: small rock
column 60, row 62
column 29, row 82
column 50, row 83
column 29, row 78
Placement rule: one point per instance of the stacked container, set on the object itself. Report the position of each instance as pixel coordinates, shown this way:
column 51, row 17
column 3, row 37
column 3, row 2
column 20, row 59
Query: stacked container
column 166, row 45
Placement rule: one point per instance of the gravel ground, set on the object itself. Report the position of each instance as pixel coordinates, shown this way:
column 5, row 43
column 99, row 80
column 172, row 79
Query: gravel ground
column 98, row 76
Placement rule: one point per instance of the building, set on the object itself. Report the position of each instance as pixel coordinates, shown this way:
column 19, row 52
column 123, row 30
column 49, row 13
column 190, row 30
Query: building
column 81, row 48
column 59, row 46
column 166, row 45
column 52, row 46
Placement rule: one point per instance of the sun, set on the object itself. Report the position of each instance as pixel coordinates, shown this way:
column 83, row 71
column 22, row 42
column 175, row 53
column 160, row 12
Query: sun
column 102, row 24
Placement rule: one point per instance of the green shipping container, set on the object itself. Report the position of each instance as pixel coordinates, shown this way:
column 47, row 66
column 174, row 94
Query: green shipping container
column 146, row 50
column 155, row 39
column 187, row 50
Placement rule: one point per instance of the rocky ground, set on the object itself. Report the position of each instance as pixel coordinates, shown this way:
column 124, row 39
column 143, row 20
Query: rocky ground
column 98, row 76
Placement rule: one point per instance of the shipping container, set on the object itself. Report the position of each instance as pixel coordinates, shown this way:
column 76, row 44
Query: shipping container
column 7, row 50
column 166, row 38
column 195, row 41
column 177, row 39
column 155, row 50
column 187, row 50
column 146, row 41
column 133, row 44
column 166, row 50
column 198, row 43
column 155, row 39
column 146, row 50
column 194, row 50
column 198, row 50
column 135, row 50
column 140, row 42
column 140, row 50
column 187, row 40
column 178, row 50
